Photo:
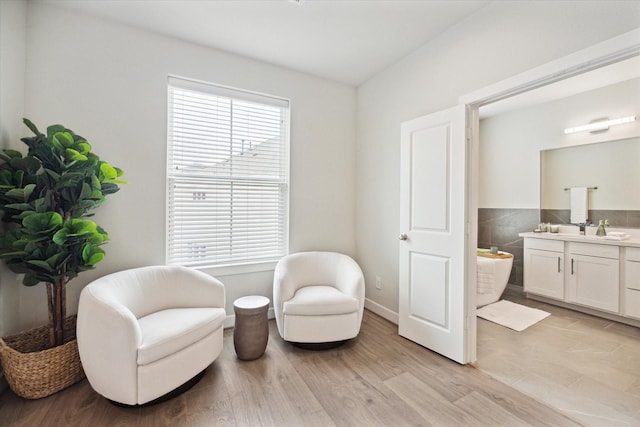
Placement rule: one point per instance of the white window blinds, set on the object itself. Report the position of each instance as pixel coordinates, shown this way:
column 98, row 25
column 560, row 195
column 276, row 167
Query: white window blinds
column 227, row 175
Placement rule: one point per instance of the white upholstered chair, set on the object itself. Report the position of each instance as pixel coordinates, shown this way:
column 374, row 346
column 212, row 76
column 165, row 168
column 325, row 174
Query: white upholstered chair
column 144, row 332
column 318, row 297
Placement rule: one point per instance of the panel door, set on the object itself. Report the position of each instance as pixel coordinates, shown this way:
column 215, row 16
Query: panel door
column 433, row 240
column 544, row 273
column 594, row 282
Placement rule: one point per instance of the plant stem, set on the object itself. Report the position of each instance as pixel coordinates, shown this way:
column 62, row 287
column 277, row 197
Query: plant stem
column 57, row 295
column 52, row 336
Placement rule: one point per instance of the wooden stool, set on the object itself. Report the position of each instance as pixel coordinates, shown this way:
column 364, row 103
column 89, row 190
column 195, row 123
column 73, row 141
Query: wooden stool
column 251, row 331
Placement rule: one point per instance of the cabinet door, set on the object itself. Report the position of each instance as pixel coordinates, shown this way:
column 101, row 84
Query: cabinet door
column 593, row 282
column 632, row 287
column 543, row 273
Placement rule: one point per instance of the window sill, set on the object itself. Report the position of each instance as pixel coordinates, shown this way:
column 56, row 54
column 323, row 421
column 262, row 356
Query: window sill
column 230, row 270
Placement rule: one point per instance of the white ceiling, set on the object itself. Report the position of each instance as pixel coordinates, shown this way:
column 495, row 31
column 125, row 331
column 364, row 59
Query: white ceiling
column 347, row 41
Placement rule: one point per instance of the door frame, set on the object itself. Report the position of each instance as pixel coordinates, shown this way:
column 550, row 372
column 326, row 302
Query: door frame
column 616, row 49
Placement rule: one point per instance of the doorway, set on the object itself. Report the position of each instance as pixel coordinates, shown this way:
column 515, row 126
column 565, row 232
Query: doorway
column 516, row 359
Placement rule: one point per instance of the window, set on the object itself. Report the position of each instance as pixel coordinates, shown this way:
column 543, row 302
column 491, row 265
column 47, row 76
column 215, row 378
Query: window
column 227, row 175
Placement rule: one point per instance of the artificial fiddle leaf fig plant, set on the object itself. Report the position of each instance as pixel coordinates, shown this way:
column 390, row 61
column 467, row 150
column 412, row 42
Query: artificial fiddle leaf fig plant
column 46, row 197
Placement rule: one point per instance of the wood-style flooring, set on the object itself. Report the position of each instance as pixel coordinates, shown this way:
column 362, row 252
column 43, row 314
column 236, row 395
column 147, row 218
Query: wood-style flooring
column 378, row 379
column 586, row 366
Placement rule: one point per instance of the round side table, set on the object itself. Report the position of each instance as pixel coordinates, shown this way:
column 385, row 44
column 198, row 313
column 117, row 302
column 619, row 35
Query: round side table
column 251, row 331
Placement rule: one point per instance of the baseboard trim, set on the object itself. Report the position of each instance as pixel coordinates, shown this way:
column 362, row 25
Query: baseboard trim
column 370, row 305
column 381, row 311
column 230, row 320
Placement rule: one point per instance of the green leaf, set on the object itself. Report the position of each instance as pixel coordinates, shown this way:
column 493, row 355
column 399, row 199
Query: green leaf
column 86, row 191
column 21, row 193
column 54, row 129
column 41, row 264
column 83, row 147
column 19, row 206
column 19, row 178
column 108, row 171
column 30, row 279
column 57, row 260
column 92, row 254
column 74, row 155
column 10, row 154
column 95, row 182
column 40, row 223
column 52, row 174
column 64, row 139
column 96, row 258
column 31, row 126
column 60, row 238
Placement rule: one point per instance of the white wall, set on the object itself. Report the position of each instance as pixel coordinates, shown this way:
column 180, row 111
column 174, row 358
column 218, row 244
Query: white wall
column 107, row 82
column 510, row 145
column 13, row 37
column 499, row 41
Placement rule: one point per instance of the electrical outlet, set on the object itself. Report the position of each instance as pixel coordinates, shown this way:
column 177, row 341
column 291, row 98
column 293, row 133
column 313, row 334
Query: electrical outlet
column 378, row 283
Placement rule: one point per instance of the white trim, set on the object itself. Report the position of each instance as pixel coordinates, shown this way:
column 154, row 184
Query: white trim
column 605, row 53
column 381, row 311
column 227, row 91
column 230, row 270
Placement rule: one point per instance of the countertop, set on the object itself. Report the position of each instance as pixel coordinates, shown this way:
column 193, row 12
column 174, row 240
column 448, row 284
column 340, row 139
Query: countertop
column 634, row 241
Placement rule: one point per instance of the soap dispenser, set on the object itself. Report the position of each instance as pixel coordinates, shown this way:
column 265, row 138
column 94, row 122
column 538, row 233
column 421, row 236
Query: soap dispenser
column 601, row 231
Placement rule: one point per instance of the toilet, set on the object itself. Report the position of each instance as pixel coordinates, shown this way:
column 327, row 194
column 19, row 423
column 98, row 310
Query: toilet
column 493, row 275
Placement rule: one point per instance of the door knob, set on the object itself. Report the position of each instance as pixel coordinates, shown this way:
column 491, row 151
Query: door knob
column 403, row 237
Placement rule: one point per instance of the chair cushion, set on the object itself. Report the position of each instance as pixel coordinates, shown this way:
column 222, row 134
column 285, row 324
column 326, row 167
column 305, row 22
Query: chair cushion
column 319, row 301
column 168, row 331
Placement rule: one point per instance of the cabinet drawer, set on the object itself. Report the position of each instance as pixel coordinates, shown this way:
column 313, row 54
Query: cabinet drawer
column 632, row 275
column 632, row 304
column 633, row 254
column 544, row 244
column 589, row 249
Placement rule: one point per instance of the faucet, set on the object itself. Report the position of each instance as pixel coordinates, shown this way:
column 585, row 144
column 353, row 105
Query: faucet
column 582, row 226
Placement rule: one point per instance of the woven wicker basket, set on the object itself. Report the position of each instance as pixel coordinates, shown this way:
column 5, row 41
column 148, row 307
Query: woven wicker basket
column 33, row 370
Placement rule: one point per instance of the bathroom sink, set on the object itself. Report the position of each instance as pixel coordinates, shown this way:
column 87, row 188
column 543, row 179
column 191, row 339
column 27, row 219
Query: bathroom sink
column 580, row 236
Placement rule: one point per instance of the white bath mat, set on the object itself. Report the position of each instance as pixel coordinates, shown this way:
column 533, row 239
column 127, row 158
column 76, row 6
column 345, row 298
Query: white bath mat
column 514, row 316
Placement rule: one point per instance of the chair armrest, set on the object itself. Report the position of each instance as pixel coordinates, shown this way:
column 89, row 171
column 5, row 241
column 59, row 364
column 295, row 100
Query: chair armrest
column 350, row 280
column 196, row 289
column 108, row 340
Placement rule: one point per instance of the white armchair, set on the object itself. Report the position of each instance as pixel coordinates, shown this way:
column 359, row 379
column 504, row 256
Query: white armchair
column 318, row 297
column 146, row 331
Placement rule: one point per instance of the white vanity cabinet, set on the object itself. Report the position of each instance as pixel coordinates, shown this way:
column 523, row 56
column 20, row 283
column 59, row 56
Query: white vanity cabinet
column 594, row 276
column 585, row 273
column 544, row 267
column 631, row 285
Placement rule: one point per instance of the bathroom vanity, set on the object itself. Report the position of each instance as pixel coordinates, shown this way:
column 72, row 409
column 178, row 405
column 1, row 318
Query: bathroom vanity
column 585, row 272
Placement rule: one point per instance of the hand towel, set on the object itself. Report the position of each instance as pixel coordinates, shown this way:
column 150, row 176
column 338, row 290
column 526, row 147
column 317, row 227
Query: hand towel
column 616, row 237
column 579, row 205
column 485, row 272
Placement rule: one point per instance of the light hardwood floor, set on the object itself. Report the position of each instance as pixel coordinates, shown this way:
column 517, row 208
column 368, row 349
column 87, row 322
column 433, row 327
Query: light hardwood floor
column 378, row 379
column 586, row 366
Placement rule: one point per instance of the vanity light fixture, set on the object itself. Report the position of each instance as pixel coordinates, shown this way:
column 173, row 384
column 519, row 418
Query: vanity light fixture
column 600, row 125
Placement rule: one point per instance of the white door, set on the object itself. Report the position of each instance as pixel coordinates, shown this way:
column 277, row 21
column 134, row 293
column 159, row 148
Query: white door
column 433, row 202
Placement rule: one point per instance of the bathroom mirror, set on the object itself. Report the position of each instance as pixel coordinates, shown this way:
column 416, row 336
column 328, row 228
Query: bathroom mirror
column 613, row 167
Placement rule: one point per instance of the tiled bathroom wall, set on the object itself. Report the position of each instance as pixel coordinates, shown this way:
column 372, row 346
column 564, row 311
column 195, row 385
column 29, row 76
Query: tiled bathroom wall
column 617, row 218
column 500, row 227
